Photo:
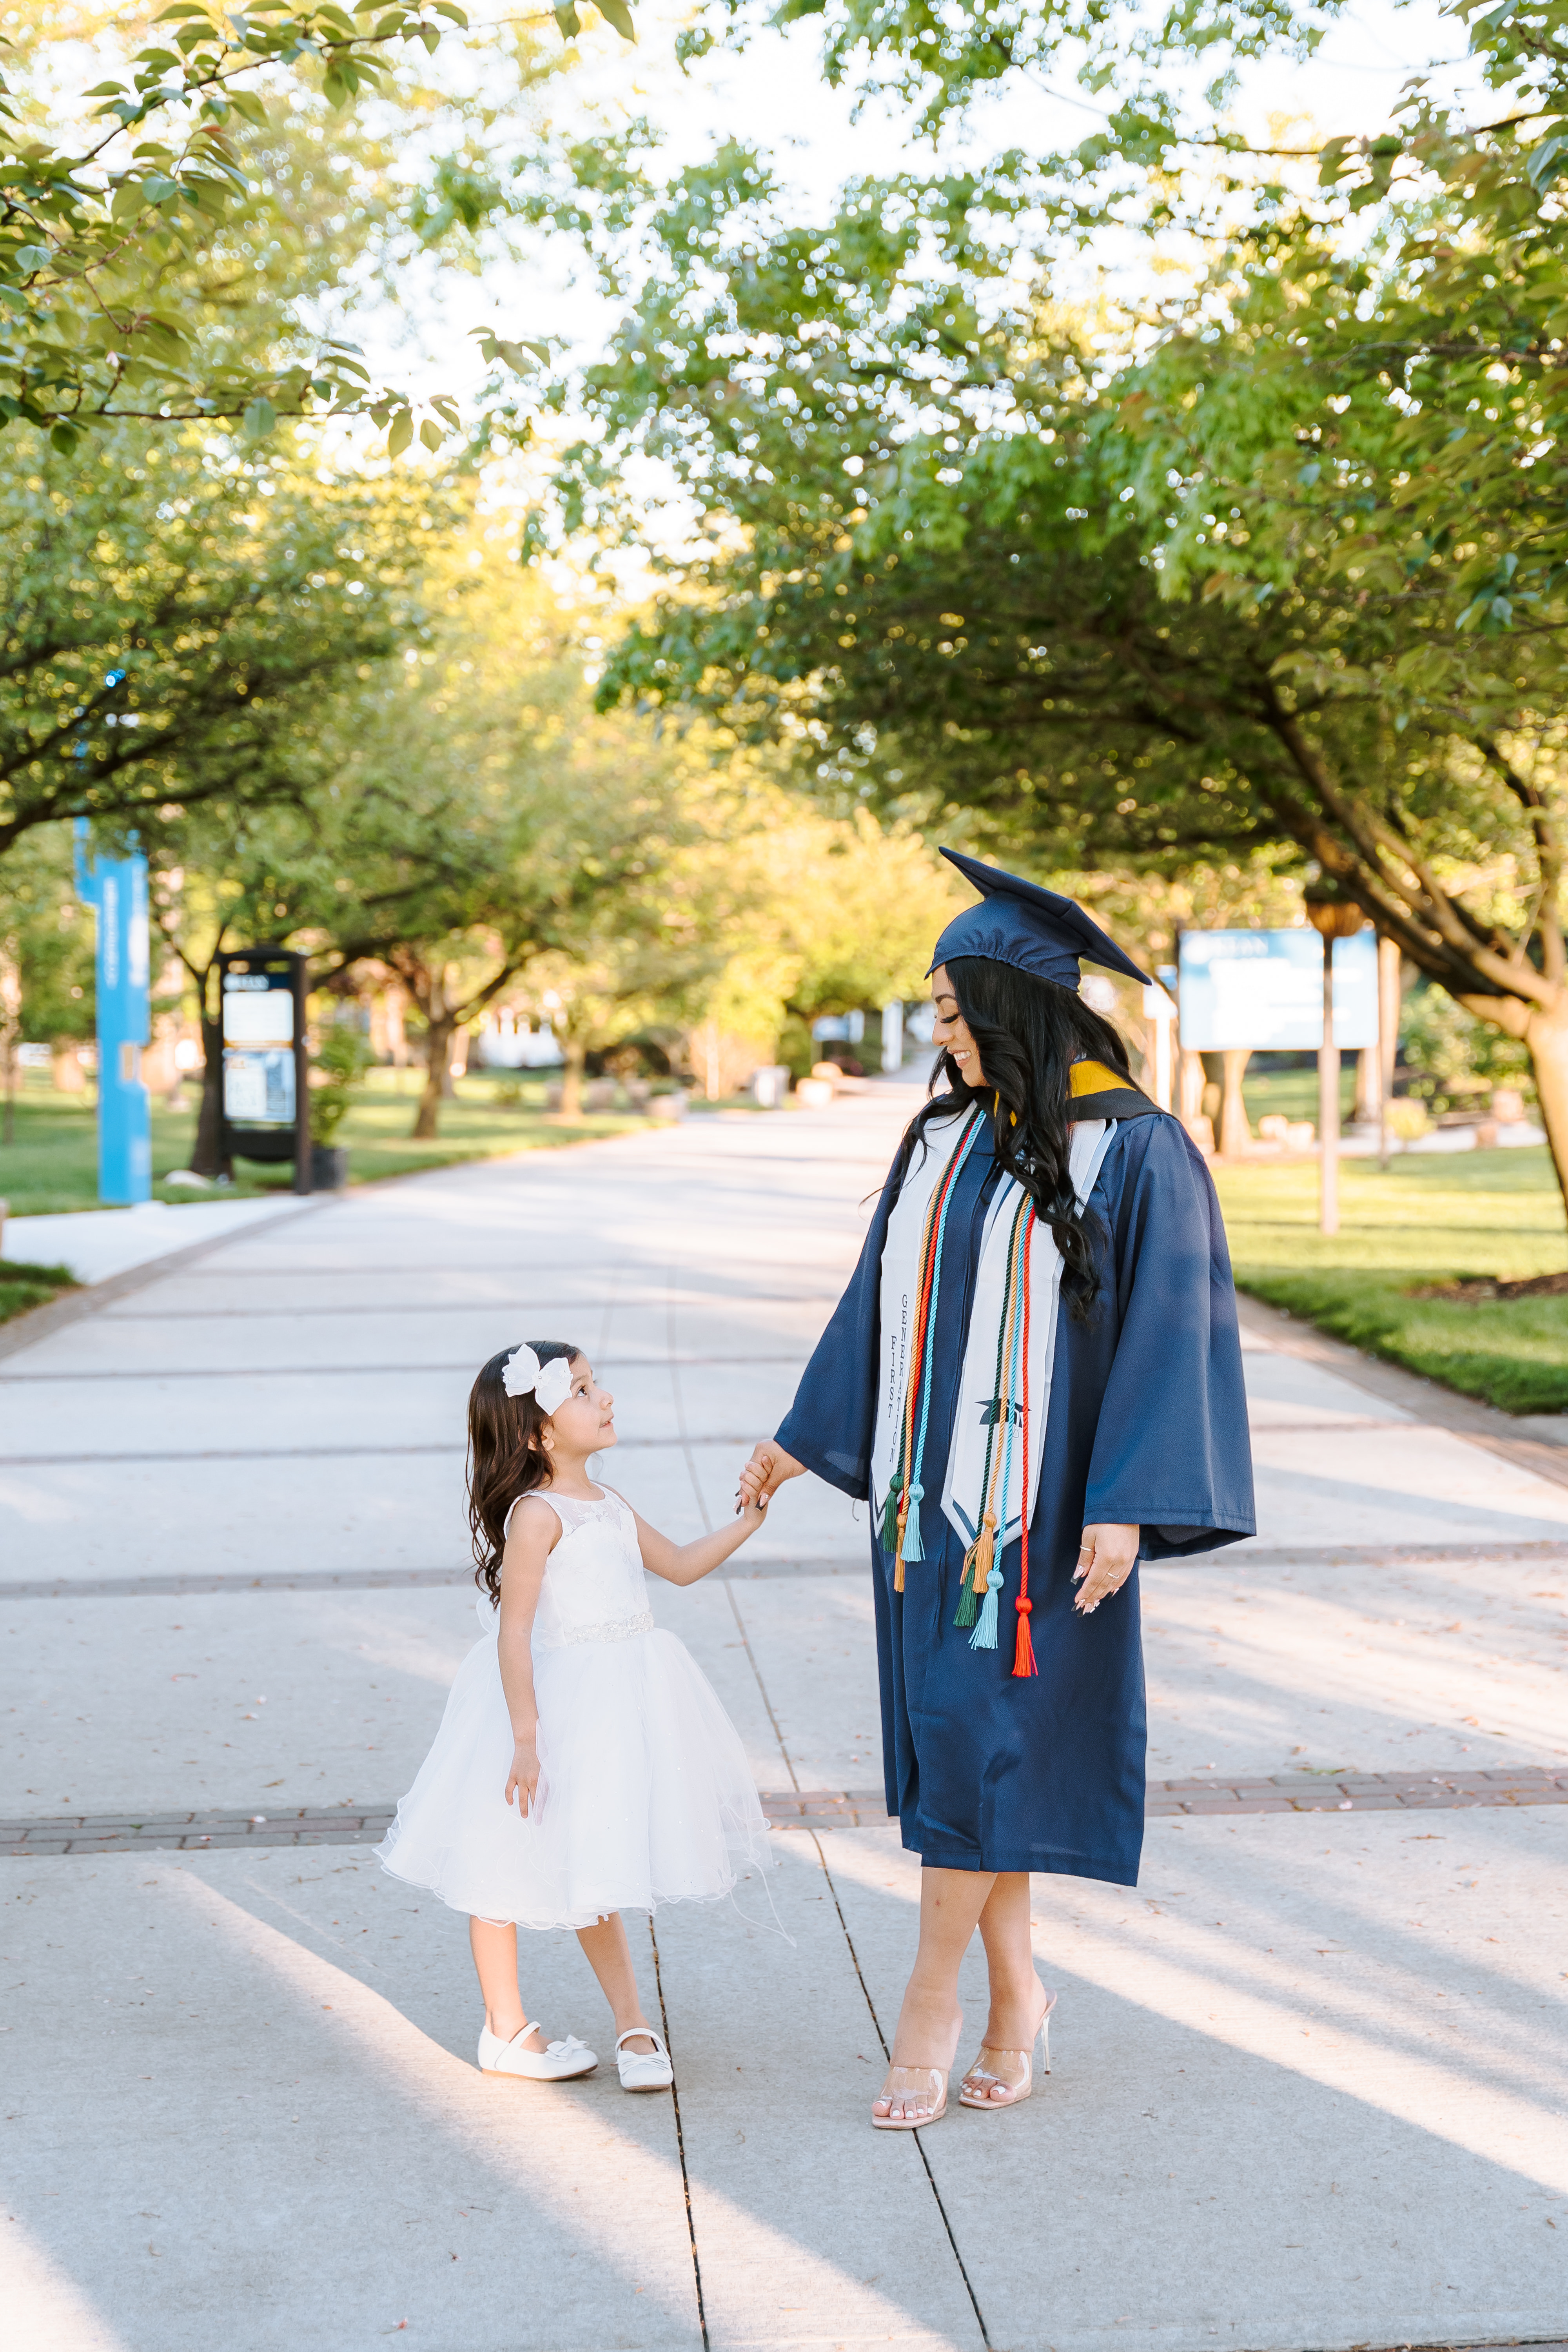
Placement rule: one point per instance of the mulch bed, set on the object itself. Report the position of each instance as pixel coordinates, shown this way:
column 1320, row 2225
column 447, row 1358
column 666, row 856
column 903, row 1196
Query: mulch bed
column 1479, row 1289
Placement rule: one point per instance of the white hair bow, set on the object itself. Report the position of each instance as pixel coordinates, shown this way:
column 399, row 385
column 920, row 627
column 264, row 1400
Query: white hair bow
column 549, row 1385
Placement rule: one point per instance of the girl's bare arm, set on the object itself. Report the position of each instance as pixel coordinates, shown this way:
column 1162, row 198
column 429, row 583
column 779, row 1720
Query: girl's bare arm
column 685, row 1563
column 535, row 1532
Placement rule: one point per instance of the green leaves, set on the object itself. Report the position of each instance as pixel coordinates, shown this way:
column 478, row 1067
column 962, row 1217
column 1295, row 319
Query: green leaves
column 616, row 13
column 523, row 357
column 101, row 243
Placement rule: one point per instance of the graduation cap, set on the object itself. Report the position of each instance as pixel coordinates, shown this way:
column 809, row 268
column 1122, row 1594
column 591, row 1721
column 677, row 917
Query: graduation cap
column 1038, row 930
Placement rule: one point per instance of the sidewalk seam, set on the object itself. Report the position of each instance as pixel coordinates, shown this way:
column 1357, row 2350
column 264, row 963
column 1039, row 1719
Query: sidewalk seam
column 679, row 2138
column 43, row 1322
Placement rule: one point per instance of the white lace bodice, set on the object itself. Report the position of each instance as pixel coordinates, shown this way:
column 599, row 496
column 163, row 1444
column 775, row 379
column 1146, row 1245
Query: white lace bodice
column 593, row 1589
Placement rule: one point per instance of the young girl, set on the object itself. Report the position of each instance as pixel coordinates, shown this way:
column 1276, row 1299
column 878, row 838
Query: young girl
column 630, row 1782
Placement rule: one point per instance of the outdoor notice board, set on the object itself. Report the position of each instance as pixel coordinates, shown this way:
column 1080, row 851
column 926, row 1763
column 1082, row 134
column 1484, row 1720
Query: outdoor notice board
column 1265, row 990
column 266, row 1109
column 258, row 1041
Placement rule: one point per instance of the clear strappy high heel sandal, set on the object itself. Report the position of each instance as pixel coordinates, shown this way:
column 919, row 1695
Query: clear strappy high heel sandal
column 1000, row 2078
column 921, row 2087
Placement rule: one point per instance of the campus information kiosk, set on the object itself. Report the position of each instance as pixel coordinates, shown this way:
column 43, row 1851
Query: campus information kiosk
column 265, row 1064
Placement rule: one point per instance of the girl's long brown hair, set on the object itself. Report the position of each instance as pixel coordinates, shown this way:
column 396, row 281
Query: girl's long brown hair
column 506, row 1456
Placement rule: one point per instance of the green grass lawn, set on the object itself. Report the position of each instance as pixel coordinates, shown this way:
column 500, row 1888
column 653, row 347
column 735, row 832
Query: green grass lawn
column 23, row 1286
column 1427, row 1220
column 52, row 1164
column 1292, row 1094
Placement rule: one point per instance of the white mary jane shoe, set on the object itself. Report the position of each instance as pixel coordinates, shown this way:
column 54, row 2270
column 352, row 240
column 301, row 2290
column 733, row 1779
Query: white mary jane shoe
column 557, row 2063
column 643, row 2070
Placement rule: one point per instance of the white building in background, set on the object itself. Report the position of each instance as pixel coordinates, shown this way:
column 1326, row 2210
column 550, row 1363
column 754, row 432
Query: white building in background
column 500, row 1041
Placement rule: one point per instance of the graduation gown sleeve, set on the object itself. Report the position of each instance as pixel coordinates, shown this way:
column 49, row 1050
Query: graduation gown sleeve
column 832, row 1424
column 1171, row 1451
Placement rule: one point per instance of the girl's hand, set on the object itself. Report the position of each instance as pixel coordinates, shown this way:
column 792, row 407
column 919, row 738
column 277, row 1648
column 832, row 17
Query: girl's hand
column 525, row 1775
column 1105, row 1561
column 751, row 1516
column 765, row 1473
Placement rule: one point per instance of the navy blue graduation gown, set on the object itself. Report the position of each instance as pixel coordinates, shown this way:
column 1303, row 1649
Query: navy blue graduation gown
column 1147, row 1424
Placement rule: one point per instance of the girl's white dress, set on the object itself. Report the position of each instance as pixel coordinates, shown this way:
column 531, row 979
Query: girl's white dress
column 648, row 1798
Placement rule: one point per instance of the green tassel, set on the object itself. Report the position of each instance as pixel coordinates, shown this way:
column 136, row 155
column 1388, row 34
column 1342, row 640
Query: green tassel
column 890, row 1516
column 984, row 1635
column 967, row 1610
column 913, row 1548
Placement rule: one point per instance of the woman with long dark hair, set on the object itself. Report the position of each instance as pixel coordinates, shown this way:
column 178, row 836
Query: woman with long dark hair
column 1034, row 1378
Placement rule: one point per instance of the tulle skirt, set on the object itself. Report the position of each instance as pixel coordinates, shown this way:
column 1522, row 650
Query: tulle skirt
column 647, row 1796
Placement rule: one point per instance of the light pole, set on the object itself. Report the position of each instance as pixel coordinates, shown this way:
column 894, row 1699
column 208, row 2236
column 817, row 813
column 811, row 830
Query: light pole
column 1333, row 918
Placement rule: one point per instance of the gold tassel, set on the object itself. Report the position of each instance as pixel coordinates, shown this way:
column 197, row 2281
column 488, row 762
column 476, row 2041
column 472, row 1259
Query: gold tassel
column 981, row 1553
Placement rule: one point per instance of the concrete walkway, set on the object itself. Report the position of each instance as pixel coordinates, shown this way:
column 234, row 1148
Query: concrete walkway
column 242, row 2103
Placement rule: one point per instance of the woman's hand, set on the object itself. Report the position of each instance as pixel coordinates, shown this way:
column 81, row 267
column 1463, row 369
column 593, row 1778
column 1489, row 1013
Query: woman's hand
column 524, row 1774
column 1105, row 1561
column 765, row 1473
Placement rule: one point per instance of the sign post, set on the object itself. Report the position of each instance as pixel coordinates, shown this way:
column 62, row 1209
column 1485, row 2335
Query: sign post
column 1387, row 1034
column 117, row 889
column 266, row 1062
column 1160, row 1014
column 1332, row 919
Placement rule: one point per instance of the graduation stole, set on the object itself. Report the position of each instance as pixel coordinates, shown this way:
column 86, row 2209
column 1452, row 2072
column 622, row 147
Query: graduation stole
column 995, row 1448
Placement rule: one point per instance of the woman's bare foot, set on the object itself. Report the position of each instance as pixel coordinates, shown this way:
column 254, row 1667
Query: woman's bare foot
column 924, row 2048
column 1003, row 2072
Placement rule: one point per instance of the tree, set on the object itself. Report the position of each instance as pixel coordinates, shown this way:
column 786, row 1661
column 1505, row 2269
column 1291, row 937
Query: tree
column 965, row 552
column 765, row 911
column 172, row 619
column 103, row 230
column 466, row 814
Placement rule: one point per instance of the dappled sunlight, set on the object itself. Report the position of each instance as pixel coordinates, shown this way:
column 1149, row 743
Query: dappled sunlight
column 619, row 2197
column 35, row 1504
column 46, row 2311
column 1428, row 1647
column 1244, row 1969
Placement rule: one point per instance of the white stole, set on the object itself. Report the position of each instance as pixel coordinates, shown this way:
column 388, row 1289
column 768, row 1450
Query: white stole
column 963, row 1488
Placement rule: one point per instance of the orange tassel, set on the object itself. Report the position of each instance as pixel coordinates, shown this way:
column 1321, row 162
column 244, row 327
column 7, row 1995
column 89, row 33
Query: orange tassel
column 1023, row 1655
column 899, row 1573
column 981, row 1553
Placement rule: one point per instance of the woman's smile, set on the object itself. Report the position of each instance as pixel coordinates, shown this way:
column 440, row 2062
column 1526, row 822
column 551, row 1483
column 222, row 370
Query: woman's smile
column 951, row 1030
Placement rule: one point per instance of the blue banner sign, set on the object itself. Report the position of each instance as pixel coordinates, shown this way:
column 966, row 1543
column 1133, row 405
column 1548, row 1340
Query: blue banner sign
column 1265, row 990
column 117, row 889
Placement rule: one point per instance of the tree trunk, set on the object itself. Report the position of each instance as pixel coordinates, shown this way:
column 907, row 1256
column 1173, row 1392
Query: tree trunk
column 207, row 1157
column 572, row 1078
column 1546, row 1040
column 438, row 1031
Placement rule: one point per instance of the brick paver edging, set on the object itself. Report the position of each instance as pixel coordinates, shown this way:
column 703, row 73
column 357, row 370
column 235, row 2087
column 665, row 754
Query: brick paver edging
column 1360, row 1793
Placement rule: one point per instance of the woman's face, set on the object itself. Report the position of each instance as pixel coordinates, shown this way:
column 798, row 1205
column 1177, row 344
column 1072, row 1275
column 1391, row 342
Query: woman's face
column 951, row 1030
